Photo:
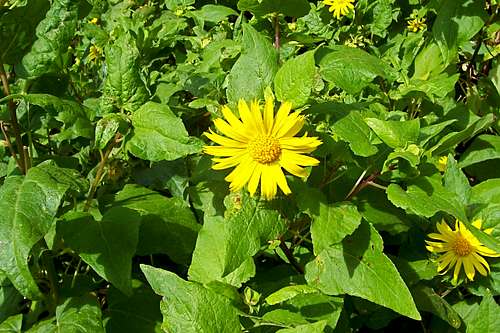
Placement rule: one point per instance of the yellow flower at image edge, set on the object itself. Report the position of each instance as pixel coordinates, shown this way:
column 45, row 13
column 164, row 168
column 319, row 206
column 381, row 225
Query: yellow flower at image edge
column 460, row 247
column 339, row 7
column 259, row 145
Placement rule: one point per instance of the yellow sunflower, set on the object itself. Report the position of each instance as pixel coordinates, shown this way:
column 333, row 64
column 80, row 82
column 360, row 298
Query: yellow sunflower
column 460, row 247
column 259, row 145
column 339, row 7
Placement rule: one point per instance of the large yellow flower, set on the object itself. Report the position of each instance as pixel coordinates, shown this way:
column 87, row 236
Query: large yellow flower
column 259, row 145
column 339, row 7
column 460, row 247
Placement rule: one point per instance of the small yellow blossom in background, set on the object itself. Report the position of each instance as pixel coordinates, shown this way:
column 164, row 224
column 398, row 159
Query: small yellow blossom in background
column 442, row 162
column 93, row 21
column 460, row 247
column 417, row 24
column 259, row 145
column 339, row 7
column 95, row 53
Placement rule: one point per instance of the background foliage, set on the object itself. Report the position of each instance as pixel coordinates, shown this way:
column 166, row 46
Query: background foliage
column 112, row 220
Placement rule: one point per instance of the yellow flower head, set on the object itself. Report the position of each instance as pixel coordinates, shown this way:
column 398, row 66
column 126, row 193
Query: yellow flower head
column 442, row 162
column 94, row 20
column 259, row 145
column 460, row 247
column 417, row 24
column 339, row 7
column 95, row 53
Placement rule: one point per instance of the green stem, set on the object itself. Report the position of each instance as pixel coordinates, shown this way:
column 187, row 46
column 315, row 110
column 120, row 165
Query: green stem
column 100, row 171
column 13, row 120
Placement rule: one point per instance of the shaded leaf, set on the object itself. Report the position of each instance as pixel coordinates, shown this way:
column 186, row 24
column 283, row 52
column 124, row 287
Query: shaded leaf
column 28, row 205
column 107, row 245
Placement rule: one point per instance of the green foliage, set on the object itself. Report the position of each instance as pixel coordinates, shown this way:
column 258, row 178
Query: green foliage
column 113, row 220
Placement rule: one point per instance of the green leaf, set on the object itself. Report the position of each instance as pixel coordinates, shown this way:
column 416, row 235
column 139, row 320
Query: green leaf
column 107, row 127
column 107, row 245
column 75, row 315
column 10, row 298
column 73, row 116
column 137, row 313
column 12, row 324
column 484, row 147
column 188, row 307
column 486, row 192
column 316, row 327
column 123, row 87
column 331, row 223
column 452, row 139
column 358, row 267
column 353, row 129
column 214, row 13
column 295, row 79
column 160, row 135
column 380, row 212
column 28, row 205
column 456, row 23
column 456, row 182
column 289, row 292
column 427, row 300
column 351, row 69
column 426, row 197
column 167, row 225
column 295, row 8
column 55, row 31
column 255, row 68
column 485, row 318
column 221, row 249
column 396, row 134
column 174, row 4
column 16, row 39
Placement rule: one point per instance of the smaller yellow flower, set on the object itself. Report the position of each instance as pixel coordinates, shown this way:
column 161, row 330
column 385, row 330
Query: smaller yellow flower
column 95, row 53
column 339, row 7
column 442, row 162
column 460, row 247
column 417, row 24
column 93, row 21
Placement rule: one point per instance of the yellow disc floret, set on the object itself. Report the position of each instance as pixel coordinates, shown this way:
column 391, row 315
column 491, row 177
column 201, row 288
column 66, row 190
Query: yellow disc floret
column 265, row 149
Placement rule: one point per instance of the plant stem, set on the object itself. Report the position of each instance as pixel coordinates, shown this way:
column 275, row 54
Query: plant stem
column 276, row 19
column 14, row 123
column 290, row 257
column 100, row 171
column 7, row 140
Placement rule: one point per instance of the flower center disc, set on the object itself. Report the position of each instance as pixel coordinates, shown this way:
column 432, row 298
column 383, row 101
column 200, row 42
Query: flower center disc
column 462, row 246
column 265, row 149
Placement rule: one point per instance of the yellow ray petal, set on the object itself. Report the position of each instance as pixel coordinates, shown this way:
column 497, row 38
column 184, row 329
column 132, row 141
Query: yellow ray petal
column 282, row 114
column 478, row 266
column 269, row 114
column 291, row 126
column 247, row 117
column 222, row 151
column 293, row 168
column 228, row 162
column 469, row 268
column 267, row 184
column 456, row 271
column 481, row 260
column 223, row 141
column 280, row 178
column 255, row 179
column 298, row 159
column 229, row 131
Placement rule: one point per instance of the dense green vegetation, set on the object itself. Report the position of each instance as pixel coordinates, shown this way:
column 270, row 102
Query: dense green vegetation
column 112, row 218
